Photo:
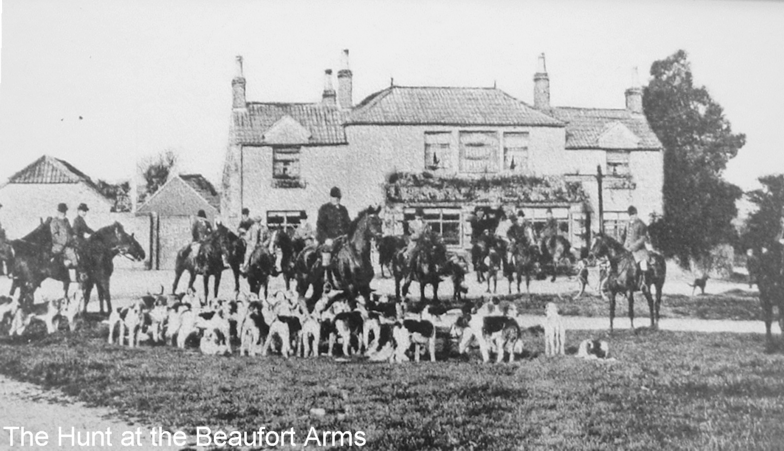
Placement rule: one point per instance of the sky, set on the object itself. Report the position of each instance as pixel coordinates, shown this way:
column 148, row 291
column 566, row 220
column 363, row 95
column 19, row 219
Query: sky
column 103, row 84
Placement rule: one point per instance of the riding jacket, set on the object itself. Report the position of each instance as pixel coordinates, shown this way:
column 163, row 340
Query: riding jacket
column 201, row 229
column 333, row 221
column 520, row 233
column 635, row 236
column 550, row 228
column 80, row 228
column 304, row 231
column 245, row 225
column 61, row 234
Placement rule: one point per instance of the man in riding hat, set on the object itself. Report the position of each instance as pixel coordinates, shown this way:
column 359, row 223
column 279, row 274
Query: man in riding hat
column 200, row 230
column 417, row 228
column 635, row 240
column 80, row 228
column 305, row 231
column 333, row 221
column 502, row 233
column 550, row 230
column 62, row 239
column 245, row 222
column 520, row 230
column 478, row 224
column 257, row 235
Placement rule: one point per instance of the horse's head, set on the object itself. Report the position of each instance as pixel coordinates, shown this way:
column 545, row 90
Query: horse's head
column 370, row 223
column 600, row 246
column 121, row 242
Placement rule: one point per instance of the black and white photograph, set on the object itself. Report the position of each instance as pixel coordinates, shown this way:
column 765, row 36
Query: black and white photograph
column 391, row 225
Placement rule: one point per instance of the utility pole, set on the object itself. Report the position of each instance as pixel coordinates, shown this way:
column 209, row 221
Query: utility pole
column 599, row 178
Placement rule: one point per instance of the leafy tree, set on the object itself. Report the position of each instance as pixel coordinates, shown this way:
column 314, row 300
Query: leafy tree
column 698, row 142
column 157, row 169
column 765, row 224
column 119, row 193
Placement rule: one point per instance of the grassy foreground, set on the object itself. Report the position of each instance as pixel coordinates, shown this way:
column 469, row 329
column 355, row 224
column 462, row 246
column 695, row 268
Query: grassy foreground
column 667, row 390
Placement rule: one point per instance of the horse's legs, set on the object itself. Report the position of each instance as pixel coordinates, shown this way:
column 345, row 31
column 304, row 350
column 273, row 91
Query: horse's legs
column 631, row 308
column 646, row 291
column 435, row 290
column 422, row 285
column 66, row 284
column 101, row 296
column 659, row 298
column 177, row 275
column 87, row 292
column 216, row 284
column 612, row 309
column 767, row 309
column 205, row 278
column 397, row 287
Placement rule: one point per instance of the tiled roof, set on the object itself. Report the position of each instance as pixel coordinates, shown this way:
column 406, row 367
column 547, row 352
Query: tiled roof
column 203, row 187
column 323, row 122
column 50, row 170
column 584, row 126
column 447, row 106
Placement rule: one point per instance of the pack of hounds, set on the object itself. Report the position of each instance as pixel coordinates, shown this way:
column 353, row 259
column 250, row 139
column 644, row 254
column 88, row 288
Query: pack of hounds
column 380, row 330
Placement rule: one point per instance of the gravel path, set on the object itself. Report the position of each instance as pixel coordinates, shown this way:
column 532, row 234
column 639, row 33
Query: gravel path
column 28, row 406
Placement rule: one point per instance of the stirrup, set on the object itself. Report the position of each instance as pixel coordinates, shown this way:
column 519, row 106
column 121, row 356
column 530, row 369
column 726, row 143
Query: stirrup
column 327, row 286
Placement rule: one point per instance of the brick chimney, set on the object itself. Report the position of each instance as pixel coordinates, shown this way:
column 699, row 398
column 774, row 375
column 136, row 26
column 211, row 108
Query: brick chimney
column 634, row 94
column 541, row 86
column 238, row 87
column 329, row 97
column 345, row 83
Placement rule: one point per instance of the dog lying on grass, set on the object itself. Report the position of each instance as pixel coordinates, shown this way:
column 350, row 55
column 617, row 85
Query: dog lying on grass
column 554, row 331
column 594, row 349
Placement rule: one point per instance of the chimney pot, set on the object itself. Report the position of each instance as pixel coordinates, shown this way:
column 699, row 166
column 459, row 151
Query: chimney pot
column 329, row 96
column 345, row 83
column 541, row 85
column 238, row 87
column 634, row 94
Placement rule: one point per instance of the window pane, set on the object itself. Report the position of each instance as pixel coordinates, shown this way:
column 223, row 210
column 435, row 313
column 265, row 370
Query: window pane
column 285, row 162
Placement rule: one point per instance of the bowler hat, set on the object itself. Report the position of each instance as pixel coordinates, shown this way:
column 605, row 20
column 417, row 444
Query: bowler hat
column 245, row 211
column 62, row 208
column 632, row 210
column 83, row 207
column 520, row 214
column 335, row 192
column 201, row 214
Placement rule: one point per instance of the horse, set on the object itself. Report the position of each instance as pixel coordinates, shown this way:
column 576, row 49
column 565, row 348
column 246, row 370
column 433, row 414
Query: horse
column 770, row 280
column 286, row 250
column 457, row 267
column 493, row 263
column 96, row 254
column 351, row 265
column 218, row 244
column 270, row 260
column 624, row 276
column 479, row 252
column 525, row 261
column 430, row 265
column 388, row 246
column 554, row 250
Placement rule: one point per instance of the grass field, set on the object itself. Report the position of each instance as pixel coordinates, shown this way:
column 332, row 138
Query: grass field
column 667, row 390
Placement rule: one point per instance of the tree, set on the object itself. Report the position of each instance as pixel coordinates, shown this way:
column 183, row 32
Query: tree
column 156, row 170
column 698, row 142
column 764, row 225
column 119, row 193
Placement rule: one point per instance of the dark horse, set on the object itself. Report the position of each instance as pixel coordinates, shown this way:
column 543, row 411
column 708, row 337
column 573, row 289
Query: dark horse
column 221, row 242
column 96, row 255
column 524, row 262
column 554, row 250
column 270, row 260
column 388, row 247
column 430, row 265
column 770, row 279
column 32, row 262
column 350, row 265
column 625, row 277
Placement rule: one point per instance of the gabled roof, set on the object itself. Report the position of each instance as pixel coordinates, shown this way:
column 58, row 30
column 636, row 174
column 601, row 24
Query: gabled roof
column 323, row 122
column 447, row 106
column 50, row 170
column 203, row 187
column 183, row 195
column 586, row 126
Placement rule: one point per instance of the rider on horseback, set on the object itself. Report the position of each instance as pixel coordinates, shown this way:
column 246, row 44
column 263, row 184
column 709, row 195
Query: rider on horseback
column 200, row 230
column 62, row 239
column 245, row 222
column 502, row 234
column 80, row 228
column 635, row 240
column 333, row 221
column 417, row 228
column 520, row 231
column 305, row 231
column 550, row 230
column 257, row 234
